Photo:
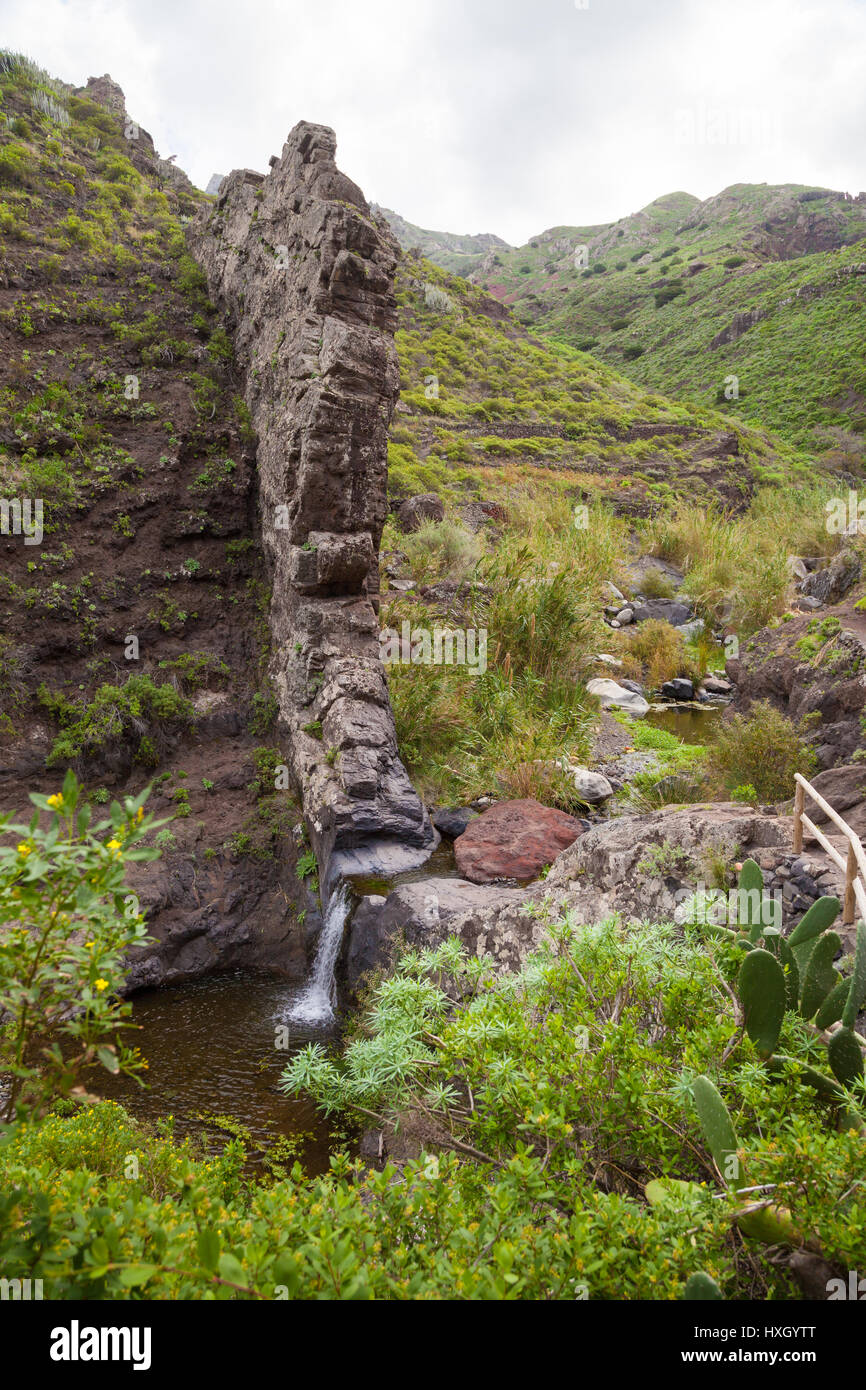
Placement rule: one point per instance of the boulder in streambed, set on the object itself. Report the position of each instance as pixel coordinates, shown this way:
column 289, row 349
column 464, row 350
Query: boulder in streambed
column 678, row 689
column 663, row 610
column 609, row 694
column 514, row 840
column 451, row 821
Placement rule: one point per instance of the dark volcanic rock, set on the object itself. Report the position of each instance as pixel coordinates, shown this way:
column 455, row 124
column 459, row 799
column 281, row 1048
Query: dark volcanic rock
column 663, row 610
column 514, row 840
column 678, row 689
column 832, row 583
column 306, row 274
column 416, row 510
column 453, row 820
column 771, row 666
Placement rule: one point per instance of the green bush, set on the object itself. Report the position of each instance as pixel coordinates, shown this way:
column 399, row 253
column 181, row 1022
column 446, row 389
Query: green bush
column 441, row 550
column 113, row 716
column 66, row 923
column 761, row 750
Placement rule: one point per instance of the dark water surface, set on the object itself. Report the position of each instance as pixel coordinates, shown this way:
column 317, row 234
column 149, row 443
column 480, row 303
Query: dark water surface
column 210, row 1045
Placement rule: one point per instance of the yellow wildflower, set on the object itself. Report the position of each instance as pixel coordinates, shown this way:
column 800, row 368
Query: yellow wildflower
column 55, row 800
column 113, row 844
column 101, row 985
column 24, row 849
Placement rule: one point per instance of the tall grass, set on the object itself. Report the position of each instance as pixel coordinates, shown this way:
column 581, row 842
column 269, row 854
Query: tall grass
column 441, row 550
column 736, row 568
column 538, row 594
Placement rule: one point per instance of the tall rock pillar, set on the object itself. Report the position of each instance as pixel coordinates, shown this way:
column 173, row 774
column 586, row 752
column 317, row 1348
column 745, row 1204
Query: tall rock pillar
column 306, row 276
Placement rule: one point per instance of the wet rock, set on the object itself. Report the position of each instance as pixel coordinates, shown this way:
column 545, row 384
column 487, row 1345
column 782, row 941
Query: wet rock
column 513, row 840
column 452, row 821
column 609, row 693
column 678, row 689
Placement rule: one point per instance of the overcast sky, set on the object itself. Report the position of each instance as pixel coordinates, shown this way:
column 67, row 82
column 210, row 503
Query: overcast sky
column 507, row 116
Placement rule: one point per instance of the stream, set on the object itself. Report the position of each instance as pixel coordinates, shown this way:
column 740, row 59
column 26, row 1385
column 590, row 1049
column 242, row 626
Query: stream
column 211, row 1043
column 211, row 1049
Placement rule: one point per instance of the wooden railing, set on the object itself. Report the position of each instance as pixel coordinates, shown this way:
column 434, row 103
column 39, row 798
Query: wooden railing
column 853, row 865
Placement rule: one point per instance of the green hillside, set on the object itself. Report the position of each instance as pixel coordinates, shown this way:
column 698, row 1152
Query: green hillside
column 482, row 398
column 661, row 292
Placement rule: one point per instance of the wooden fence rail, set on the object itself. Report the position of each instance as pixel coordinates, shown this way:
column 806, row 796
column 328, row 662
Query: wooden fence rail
column 853, row 865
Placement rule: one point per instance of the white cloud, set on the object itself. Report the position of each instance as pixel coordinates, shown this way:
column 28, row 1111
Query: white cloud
column 483, row 115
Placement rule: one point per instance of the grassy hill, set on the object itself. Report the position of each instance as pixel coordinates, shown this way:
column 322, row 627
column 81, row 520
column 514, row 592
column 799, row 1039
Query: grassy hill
column 762, row 283
column 120, row 410
column 483, row 399
column 458, row 254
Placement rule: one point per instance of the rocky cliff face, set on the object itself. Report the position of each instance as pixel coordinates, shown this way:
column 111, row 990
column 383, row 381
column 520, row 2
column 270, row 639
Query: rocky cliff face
column 305, row 275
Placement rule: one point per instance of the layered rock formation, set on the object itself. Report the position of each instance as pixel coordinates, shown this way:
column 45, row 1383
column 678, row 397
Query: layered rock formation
column 306, row 276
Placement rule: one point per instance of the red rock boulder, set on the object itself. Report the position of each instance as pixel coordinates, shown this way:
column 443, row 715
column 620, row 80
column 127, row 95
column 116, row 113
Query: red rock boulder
column 515, row 840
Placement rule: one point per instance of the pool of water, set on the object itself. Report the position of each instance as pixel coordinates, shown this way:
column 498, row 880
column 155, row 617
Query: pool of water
column 698, row 724
column 441, row 864
column 212, row 1050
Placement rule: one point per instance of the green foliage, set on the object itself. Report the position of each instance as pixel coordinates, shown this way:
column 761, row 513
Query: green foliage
column 66, row 923
column 761, row 986
column 762, row 748
column 701, row 1287
column 441, row 550
column 113, row 716
column 845, row 1057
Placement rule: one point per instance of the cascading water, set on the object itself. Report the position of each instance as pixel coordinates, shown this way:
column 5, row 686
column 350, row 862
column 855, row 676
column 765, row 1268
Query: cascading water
column 318, row 1001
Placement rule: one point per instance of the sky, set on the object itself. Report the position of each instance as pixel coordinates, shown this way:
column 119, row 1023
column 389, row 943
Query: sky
column 505, row 116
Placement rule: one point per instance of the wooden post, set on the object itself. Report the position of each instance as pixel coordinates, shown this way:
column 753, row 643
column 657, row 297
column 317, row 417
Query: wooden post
column 799, row 804
column 850, row 875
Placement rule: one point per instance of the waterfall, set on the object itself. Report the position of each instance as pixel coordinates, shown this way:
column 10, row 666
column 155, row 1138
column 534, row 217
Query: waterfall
column 318, row 1000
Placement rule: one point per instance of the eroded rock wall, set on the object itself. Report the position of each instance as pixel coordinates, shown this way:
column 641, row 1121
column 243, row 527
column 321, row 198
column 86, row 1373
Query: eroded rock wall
column 305, row 275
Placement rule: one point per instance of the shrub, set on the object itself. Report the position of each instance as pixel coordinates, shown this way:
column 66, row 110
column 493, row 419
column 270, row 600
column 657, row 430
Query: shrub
column 656, row 584
column 761, row 750
column 16, row 165
column 114, row 715
column 441, row 550
column 66, row 924
column 658, row 653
